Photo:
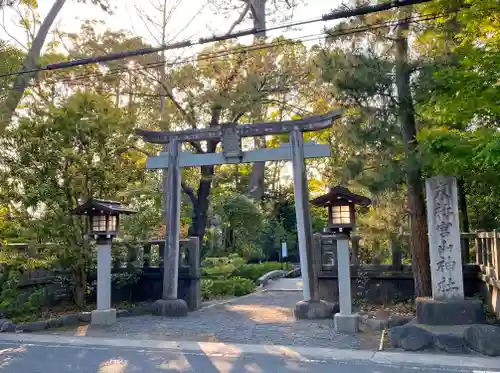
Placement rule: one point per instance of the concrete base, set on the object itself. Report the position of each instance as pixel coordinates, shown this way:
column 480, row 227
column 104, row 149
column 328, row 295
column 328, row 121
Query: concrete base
column 103, row 317
column 452, row 312
column 313, row 310
column 170, row 308
column 346, row 323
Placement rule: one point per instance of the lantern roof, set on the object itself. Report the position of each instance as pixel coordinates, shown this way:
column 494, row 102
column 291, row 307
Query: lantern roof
column 338, row 194
column 94, row 206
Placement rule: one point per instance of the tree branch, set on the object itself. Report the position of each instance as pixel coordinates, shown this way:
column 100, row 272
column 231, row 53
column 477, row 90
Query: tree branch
column 189, row 192
column 240, row 18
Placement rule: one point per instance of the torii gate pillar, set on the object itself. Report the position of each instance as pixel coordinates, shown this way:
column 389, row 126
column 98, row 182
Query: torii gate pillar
column 311, row 307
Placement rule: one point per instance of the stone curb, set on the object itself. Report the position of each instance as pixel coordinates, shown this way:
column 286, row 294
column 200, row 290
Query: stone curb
column 67, row 320
column 271, row 276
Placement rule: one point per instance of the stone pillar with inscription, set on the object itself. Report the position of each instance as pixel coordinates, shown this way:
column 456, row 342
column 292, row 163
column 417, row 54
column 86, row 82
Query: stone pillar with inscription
column 447, row 305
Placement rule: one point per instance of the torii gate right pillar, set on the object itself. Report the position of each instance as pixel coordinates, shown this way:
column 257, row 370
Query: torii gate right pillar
column 311, row 307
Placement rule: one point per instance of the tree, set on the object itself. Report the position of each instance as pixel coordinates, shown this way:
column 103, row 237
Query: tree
column 80, row 149
column 27, row 73
column 369, row 87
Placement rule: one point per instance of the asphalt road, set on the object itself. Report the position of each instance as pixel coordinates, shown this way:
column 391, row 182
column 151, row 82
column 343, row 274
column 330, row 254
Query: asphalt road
column 16, row 357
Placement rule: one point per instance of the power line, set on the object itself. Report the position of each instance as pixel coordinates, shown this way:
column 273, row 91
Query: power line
column 204, row 40
column 255, row 47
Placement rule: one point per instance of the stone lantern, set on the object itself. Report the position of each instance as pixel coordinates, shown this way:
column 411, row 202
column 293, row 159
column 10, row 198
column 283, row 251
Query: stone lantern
column 341, row 203
column 103, row 225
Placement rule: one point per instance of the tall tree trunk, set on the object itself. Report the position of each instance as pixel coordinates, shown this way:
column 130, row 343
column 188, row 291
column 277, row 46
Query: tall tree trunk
column 464, row 219
column 419, row 244
column 256, row 188
column 200, row 208
column 22, row 81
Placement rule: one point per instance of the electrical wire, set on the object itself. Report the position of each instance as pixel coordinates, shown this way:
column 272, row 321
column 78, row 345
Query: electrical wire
column 204, row 40
column 255, row 47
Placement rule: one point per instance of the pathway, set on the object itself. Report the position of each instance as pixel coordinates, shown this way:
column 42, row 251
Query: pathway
column 264, row 317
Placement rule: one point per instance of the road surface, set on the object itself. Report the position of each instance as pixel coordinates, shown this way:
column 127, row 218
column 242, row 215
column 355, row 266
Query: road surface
column 90, row 355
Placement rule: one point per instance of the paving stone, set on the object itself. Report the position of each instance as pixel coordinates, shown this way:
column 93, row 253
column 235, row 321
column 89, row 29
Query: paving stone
column 484, row 339
column 262, row 318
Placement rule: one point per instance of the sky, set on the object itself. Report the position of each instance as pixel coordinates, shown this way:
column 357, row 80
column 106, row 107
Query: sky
column 190, row 19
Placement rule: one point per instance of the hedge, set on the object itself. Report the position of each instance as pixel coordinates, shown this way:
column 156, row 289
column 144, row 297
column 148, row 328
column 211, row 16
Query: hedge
column 236, row 286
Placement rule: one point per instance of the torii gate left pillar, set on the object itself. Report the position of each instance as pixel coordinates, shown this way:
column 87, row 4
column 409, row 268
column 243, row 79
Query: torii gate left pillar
column 230, row 134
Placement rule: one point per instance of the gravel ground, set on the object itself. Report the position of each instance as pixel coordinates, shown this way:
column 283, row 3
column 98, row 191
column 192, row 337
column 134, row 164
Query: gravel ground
column 261, row 318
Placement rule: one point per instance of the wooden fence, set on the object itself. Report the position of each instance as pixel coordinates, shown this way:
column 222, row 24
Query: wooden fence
column 487, row 246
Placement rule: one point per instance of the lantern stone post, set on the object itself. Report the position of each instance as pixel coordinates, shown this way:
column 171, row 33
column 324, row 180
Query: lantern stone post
column 103, row 225
column 341, row 203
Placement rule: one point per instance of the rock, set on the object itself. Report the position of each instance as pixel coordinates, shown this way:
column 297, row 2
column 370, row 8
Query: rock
column 313, row 310
column 8, row 327
column 70, row 320
column 171, row 308
column 11, row 328
column 3, row 321
column 451, row 312
column 375, row 324
column 450, row 343
column 123, row 313
column 32, row 326
column 410, row 337
column 55, row 323
column 398, row 320
column 84, row 316
column 335, row 307
column 484, row 339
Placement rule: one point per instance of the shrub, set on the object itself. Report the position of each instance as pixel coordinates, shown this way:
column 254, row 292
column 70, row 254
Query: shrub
column 254, row 271
column 234, row 266
column 222, row 267
column 235, row 286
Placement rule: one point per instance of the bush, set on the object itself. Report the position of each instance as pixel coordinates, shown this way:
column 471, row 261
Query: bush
column 222, row 267
column 235, row 286
column 234, row 266
column 254, row 271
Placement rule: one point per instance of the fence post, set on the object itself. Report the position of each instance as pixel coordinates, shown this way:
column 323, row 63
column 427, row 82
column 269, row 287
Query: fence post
column 354, row 250
column 478, row 243
column 146, row 254
column 485, row 250
column 395, row 247
column 131, row 255
column 496, row 255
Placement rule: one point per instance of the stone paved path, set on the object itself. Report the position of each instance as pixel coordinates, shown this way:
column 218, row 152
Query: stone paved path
column 261, row 318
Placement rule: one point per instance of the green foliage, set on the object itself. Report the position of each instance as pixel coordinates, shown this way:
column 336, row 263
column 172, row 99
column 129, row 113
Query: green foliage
column 254, row 271
column 77, row 150
column 234, row 286
column 225, row 267
column 15, row 303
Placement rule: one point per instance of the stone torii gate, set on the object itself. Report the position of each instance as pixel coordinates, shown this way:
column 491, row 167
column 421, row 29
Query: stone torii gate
column 231, row 134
